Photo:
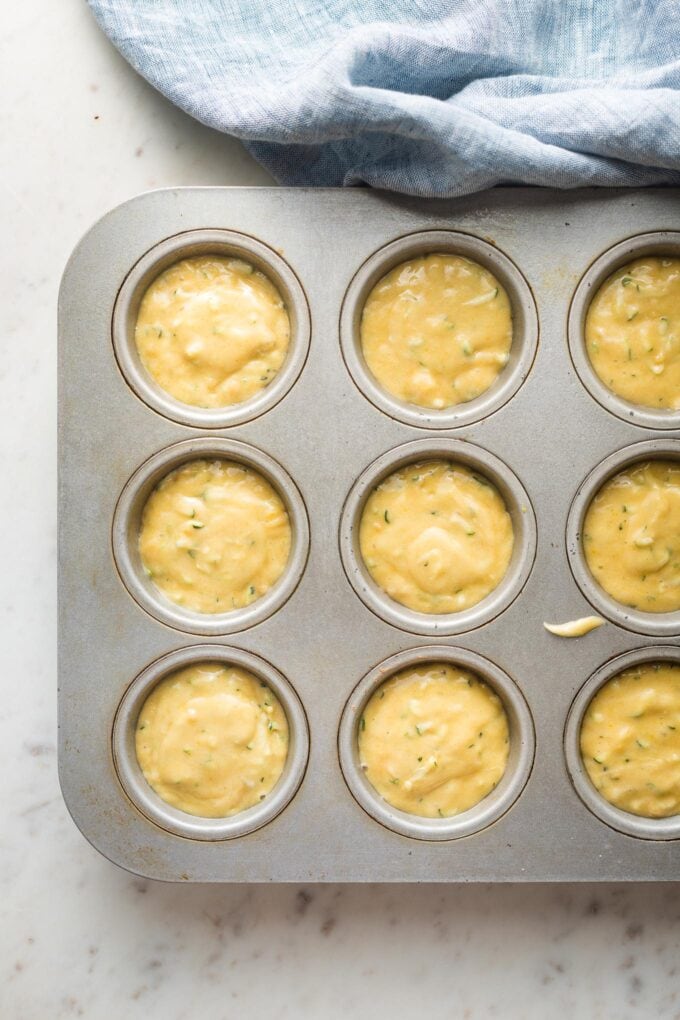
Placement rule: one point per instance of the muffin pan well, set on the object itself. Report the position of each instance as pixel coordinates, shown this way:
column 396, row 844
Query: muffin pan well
column 323, row 433
column 655, row 243
column 525, row 326
column 126, row 524
column 654, row 624
column 623, row 821
column 228, row 244
column 179, row 822
column 488, row 810
column 516, row 501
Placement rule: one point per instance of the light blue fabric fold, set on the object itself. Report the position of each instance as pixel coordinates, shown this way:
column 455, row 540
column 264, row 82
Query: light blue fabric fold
column 423, row 96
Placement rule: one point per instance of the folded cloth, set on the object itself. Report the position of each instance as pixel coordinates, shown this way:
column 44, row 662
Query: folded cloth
column 426, row 97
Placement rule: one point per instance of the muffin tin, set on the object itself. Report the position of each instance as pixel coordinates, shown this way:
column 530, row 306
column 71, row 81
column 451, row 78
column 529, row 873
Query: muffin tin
column 323, row 433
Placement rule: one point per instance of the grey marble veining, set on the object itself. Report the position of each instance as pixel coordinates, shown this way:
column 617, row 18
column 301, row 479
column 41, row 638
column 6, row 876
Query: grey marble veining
column 79, row 937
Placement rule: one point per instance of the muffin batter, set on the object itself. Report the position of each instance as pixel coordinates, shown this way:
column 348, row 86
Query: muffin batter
column 433, row 740
column 633, row 332
column 630, row 740
column 631, row 536
column 575, row 628
column 215, row 536
column 436, row 537
column 212, row 331
column 212, row 740
column 436, row 330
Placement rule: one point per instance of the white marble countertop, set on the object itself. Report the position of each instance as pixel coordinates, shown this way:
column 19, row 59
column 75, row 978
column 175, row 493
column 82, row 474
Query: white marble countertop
column 82, row 133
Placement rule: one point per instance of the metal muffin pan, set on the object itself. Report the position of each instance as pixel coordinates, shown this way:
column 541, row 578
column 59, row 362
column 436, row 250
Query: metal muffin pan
column 325, row 638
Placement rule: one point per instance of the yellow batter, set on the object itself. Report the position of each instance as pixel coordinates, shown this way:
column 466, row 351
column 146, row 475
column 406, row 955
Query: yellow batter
column 212, row 331
column 436, row 537
column 575, row 628
column 433, row 740
column 215, row 536
column 630, row 740
column 633, row 332
column 631, row 536
column 437, row 330
column 212, row 740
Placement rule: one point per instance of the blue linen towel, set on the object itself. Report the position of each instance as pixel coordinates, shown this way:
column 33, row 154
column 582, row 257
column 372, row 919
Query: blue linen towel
column 426, row 97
